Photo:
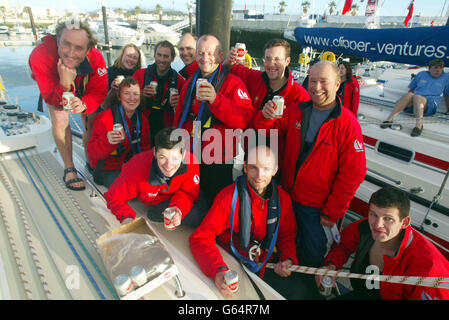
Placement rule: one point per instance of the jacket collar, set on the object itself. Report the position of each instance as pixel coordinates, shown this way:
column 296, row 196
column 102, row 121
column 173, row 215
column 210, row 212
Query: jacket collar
column 156, row 176
column 405, row 243
column 254, row 195
column 308, row 105
column 285, row 87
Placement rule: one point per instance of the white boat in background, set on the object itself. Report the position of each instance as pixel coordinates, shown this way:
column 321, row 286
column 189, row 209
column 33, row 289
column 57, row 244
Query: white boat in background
column 156, row 32
column 119, row 34
column 417, row 165
column 4, row 29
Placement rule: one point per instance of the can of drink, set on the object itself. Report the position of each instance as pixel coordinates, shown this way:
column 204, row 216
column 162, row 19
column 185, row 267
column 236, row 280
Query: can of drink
column 66, row 98
column 241, row 47
column 120, row 78
column 123, row 284
column 169, row 213
column 326, row 286
column 118, row 127
column 138, row 275
column 198, row 85
column 278, row 102
column 173, row 92
column 154, row 84
column 232, row 280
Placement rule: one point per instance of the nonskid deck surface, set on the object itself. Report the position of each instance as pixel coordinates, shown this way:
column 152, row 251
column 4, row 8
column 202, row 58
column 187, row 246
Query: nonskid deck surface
column 48, row 234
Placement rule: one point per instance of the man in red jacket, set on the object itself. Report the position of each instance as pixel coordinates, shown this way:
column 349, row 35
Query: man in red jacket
column 276, row 80
column 68, row 62
column 187, row 53
column 222, row 102
column 385, row 242
column 167, row 176
column 325, row 162
column 261, row 215
column 159, row 104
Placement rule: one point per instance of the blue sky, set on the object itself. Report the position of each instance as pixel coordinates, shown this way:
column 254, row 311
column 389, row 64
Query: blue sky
column 388, row 7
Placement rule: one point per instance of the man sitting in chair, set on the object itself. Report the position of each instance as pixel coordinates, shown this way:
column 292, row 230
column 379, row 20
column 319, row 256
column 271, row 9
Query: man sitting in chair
column 424, row 96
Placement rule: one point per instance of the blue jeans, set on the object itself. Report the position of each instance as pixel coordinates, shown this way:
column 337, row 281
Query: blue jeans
column 311, row 241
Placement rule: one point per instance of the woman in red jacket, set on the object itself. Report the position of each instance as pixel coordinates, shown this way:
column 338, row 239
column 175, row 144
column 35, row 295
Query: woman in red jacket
column 108, row 149
column 349, row 91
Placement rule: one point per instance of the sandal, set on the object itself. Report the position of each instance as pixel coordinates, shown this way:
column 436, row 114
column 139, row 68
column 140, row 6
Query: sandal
column 386, row 124
column 69, row 183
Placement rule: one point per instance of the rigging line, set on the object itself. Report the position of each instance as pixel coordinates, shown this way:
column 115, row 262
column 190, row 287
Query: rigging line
column 64, row 234
column 435, row 282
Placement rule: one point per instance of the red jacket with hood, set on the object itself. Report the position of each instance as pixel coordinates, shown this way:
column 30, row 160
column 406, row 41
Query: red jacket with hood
column 91, row 84
column 140, row 179
column 216, row 226
column 336, row 166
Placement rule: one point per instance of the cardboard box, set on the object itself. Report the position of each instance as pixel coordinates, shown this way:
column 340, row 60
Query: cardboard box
column 139, row 226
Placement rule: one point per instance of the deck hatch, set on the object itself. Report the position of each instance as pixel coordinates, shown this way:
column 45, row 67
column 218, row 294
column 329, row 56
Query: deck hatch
column 395, row 151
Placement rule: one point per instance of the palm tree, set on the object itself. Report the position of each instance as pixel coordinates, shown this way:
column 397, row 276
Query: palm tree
column 332, row 6
column 137, row 11
column 159, row 12
column 305, row 6
column 282, row 6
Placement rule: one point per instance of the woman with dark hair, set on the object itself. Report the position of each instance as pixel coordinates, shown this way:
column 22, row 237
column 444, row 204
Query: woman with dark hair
column 109, row 148
column 349, row 90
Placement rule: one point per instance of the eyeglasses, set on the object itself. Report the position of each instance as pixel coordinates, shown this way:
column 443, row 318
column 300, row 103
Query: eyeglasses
column 271, row 59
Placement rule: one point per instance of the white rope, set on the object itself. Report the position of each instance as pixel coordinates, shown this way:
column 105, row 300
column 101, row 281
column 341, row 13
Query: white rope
column 435, row 282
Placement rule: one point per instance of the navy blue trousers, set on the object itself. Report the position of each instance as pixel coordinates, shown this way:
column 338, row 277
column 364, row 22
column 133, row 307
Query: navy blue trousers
column 311, row 240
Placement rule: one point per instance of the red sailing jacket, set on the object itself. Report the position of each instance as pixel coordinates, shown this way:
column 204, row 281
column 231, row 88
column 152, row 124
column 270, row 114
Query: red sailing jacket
column 351, row 97
column 233, row 110
column 257, row 83
column 99, row 147
column 139, row 75
column 336, row 166
column 416, row 256
column 217, row 223
column 139, row 179
column 189, row 70
column 43, row 63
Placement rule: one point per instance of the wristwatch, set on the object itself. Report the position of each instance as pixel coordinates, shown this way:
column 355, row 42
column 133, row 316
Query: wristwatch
column 85, row 107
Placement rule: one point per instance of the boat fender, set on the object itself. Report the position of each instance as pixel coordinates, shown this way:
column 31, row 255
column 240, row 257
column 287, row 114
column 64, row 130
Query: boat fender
column 248, row 61
column 329, row 56
column 304, row 58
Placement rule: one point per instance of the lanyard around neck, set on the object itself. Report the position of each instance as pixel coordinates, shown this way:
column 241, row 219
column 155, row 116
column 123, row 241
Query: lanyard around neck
column 128, row 134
